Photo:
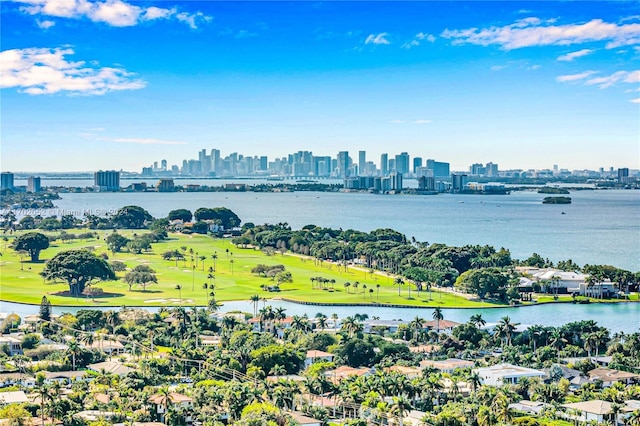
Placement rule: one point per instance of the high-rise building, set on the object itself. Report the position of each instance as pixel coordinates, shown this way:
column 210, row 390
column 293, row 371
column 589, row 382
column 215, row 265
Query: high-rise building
column 163, row 165
column 107, row 180
column 342, row 169
column 492, row 169
column 215, row 161
column 6, row 180
column 396, row 181
column 384, row 164
column 458, row 182
column 440, row 169
column 362, row 163
column 33, row 184
column 417, row 163
column 402, row 163
column 623, row 173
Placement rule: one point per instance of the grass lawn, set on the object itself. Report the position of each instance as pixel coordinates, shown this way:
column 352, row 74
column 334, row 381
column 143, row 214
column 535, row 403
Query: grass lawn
column 233, row 278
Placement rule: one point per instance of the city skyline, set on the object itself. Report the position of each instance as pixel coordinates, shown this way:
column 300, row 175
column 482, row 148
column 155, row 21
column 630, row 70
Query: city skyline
column 115, row 85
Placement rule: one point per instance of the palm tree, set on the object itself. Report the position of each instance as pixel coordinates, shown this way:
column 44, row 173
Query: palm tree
column 507, row 328
column 255, row 299
column 278, row 370
column 43, row 392
column 231, row 262
column 179, row 288
column 322, row 321
column 346, row 286
column 399, row 282
column 378, row 292
column 213, row 306
column 438, row 315
column 477, row 320
column 416, row 324
column 214, row 257
column 557, row 341
column 73, row 349
column 400, row 407
column 334, row 317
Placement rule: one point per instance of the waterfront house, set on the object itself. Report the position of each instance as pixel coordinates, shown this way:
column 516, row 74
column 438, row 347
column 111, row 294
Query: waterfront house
column 442, row 326
column 502, row 374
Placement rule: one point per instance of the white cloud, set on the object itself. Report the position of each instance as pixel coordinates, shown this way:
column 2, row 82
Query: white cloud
column 142, row 141
column 422, row 121
column 572, row 55
column 498, row 67
column 42, row 71
column 420, row 37
column 534, row 32
column 616, row 77
column 574, row 77
column 45, row 25
column 192, row 19
column 377, row 39
column 635, row 101
column 116, row 13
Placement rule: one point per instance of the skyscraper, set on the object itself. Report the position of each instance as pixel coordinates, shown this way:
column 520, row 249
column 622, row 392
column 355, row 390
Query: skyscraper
column 440, row 169
column 417, row 162
column 402, row 163
column 107, row 181
column 6, row 180
column 384, row 164
column 33, row 184
column 362, row 162
column 343, row 164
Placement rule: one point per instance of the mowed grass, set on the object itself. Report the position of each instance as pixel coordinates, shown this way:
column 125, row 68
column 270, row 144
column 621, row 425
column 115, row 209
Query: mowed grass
column 233, row 278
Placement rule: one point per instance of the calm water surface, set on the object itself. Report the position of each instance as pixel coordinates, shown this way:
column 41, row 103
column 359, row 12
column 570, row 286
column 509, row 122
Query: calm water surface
column 614, row 316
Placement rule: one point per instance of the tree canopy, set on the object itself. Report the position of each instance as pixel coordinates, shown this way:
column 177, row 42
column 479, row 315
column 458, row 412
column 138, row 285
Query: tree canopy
column 78, row 268
column 180, row 214
column 33, row 243
column 221, row 215
column 131, row 217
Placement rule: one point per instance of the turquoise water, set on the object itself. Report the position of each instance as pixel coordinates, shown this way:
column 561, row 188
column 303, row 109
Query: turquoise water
column 614, row 316
column 599, row 227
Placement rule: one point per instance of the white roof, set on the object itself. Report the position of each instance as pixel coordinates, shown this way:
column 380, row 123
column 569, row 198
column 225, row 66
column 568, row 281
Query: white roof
column 16, row 397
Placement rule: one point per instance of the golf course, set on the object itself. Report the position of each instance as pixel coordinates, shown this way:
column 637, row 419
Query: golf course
column 208, row 265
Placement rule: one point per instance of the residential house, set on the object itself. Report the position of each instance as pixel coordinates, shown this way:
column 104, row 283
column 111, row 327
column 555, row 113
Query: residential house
column 13, row 342
column 447, row 365
column 16, row 379
column 111, row 367
column 305, row 420
column 501, row 374
column 13, row 397
column 590, row 411
column 160, row 404
column 345, row 371
column 442, row 326
column 609, row 376
column 317, row 356
column 62, row 377
column 109, row 347
column 410, row 372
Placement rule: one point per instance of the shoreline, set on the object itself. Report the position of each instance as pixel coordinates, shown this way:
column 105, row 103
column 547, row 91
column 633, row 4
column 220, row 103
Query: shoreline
column 355, row 305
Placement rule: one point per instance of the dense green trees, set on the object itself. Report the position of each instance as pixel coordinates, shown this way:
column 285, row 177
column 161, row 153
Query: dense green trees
column 221, row 215
column 31, row 242
column 180, row 214
column 131, row 217
column 78, row 268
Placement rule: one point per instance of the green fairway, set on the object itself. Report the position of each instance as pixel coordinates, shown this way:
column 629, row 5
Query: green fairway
column 233, row 278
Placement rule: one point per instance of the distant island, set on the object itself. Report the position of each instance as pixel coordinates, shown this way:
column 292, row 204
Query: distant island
column 553, row 190
column 556, row 200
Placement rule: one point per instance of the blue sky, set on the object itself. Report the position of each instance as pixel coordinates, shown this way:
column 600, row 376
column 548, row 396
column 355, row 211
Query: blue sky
column 113, row 84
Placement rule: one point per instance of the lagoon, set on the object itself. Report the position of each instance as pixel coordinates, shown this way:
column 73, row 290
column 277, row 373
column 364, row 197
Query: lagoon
column 614, row 316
